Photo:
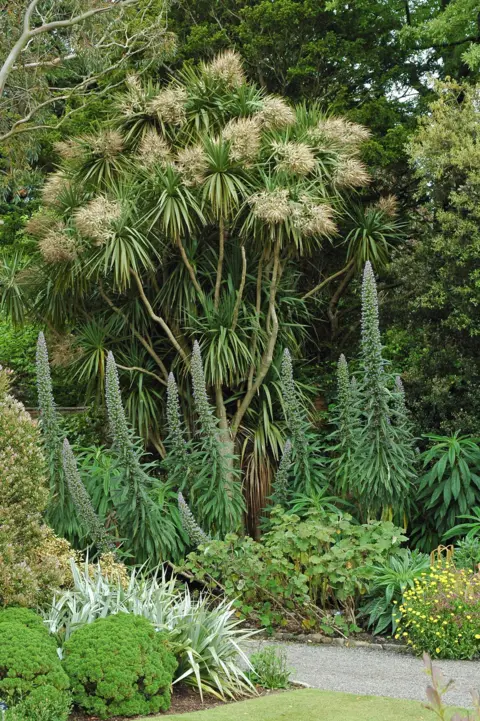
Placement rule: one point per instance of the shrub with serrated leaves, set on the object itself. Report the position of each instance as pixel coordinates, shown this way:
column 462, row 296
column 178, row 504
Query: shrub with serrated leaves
column 28, row 656
column 119, row 665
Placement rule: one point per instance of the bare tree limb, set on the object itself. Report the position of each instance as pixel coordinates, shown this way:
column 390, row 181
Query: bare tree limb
column 28, row 32
column 189, row 267
column 221, row 253
column 143, row 370
column 327, row 280
column 148, row 347
column 158, row 319
column 241, row 289
column 267, row 357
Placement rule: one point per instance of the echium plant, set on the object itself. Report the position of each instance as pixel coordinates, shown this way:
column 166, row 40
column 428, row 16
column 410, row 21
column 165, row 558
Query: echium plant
column 307, row 474
column 178, row 461
column 83, row 503
column 149, row 530
column 216, row 490
column 61, row 511
column 345, row 419
column 280, row 485
column 196, row 535
column 382, row 461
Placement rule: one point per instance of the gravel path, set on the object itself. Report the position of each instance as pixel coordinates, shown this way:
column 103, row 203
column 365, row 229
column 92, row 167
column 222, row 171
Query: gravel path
column 375, row 673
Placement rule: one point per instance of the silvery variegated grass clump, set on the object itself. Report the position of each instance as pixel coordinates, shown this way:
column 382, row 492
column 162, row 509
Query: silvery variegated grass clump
column 204, row 633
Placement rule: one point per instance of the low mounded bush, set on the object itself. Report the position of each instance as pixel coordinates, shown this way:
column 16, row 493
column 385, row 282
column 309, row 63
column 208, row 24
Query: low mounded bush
column 45, row 703
column 28, row 657
column 441, row 614
column 119, row 666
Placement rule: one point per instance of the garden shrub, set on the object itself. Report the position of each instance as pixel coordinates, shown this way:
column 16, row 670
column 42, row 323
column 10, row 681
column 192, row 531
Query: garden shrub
column 45, row 703
column 269, row 668
column 24, row 573
column 28, row 657
column 24, row 616
column 441, row 614
column 119, row 665
column 321, row 561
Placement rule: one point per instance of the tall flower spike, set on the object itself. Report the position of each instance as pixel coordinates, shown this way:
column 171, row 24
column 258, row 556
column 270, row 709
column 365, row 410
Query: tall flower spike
column 196, row 535
column 371, row 342
column 116, row 413
column 82, row 501
column 200, row 395
column 280, row 484
column 400, row 405
column 46, row 401
column 174, row 421
column 344, row 399
column 294, row 416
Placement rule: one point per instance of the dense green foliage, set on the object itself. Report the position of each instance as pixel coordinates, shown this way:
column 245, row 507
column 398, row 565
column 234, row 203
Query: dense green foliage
column 28, row 656
column 434, row 309
column 269, row 668
column 389, row 581
column 299, row 567
column 451, row 485
column 44, row 703
column 119, row 665
column 29, row 567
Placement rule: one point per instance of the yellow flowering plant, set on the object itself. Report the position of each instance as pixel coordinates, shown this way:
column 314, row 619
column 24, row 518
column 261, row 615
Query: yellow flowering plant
column 441, row 614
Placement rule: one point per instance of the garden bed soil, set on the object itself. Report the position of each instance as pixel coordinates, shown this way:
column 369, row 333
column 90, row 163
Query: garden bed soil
column 184, row 700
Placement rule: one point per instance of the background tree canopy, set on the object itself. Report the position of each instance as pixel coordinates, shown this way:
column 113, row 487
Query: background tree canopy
column 193, row 196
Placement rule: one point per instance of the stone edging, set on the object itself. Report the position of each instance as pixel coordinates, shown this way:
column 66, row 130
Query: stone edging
column 320, row 639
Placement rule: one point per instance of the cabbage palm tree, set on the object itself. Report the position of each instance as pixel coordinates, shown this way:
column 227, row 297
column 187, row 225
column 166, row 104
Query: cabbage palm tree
column 184, row 218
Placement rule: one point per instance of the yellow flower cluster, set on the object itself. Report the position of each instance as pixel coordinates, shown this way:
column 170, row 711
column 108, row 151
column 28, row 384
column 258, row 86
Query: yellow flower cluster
column 441, row 614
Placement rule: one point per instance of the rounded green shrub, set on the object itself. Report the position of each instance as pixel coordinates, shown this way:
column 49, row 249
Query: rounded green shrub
column 44, row 703
column 25, row 616
column 119, row 666
column 28, row 657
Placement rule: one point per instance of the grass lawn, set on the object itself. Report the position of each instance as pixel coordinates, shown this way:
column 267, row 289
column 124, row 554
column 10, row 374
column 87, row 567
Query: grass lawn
column 309, row 705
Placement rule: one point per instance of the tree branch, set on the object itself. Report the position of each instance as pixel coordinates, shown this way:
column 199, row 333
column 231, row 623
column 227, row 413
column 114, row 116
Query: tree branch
column 158, row 319
column 241, row 289
column 20, row 126
column 267, row 357
column 221, row 253
column 189, row 267
column 327, row 280
column 28, row 33
column 135, row 332
column 258, row 305
column 143, row 370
